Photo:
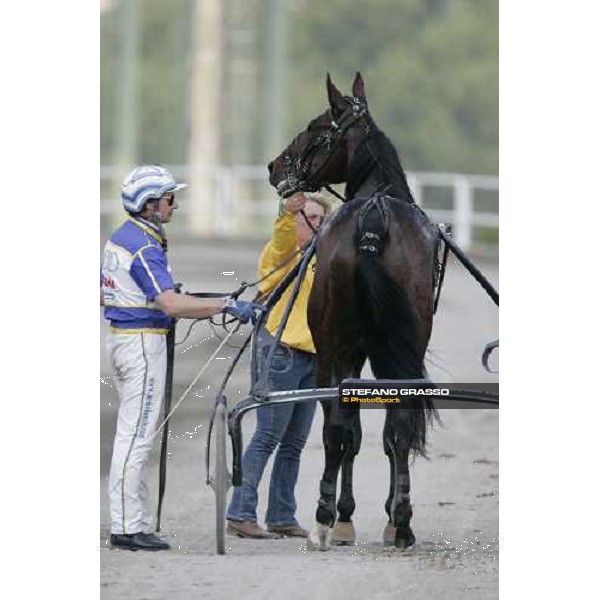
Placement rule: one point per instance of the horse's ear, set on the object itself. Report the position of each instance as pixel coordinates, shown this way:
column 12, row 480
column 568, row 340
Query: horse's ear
column 334, row 94
column 358, row 87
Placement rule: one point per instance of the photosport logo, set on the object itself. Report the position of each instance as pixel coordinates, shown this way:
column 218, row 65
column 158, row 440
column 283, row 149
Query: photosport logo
column 380, row 393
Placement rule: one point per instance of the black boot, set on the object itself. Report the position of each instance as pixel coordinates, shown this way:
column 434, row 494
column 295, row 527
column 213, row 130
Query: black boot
column 138, row 541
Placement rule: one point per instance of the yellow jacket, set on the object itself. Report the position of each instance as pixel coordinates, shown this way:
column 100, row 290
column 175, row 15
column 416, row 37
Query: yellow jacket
column 282, row 245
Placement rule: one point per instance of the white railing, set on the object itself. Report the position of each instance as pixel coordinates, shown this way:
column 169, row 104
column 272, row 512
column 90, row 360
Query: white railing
column 242, row 204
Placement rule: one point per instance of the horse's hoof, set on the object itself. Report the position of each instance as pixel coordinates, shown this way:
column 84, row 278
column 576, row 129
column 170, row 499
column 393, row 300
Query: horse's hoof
column 343, row 534
column 319, row 539
column 404, row 538
column 389, row 535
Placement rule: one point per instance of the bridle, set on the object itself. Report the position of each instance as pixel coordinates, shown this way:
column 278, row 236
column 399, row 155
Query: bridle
column 299, row 175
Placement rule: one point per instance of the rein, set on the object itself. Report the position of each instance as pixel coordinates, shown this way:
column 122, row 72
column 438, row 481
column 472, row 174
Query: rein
column 310, row 225
column 334, row 193
column 183, row 396
column 298, row 271
column 308, row 251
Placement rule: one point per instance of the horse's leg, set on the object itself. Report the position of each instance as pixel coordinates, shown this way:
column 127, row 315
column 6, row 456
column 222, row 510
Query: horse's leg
column 343, row 532
column 319, row 538
column 402, row 511
column 397, row 506
column 389, row 533
column 336, row 357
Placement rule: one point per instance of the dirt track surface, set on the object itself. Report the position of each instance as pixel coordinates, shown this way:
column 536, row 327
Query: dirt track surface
column 454, row 494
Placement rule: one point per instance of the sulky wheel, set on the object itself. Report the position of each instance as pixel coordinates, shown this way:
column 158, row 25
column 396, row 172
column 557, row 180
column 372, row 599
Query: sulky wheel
column 221, row 476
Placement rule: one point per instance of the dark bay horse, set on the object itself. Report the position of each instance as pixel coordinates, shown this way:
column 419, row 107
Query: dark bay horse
column 373, row 297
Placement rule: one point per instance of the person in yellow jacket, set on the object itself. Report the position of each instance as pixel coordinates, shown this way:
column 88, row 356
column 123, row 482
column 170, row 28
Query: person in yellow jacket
column 283, row 427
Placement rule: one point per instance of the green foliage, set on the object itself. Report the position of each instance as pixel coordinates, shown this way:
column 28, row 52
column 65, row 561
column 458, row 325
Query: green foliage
column 161, row 83
column 165, row 41
column 109, row 49
column 430, row 69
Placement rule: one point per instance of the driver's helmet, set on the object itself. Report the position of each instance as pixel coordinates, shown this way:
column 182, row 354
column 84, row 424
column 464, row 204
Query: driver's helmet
column 145, row 183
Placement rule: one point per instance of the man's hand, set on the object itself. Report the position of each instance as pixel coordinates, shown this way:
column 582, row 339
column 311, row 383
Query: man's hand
column 243, row 311
column 295, row 203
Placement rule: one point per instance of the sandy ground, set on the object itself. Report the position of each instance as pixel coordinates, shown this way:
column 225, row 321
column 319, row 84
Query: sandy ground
column 454, row 494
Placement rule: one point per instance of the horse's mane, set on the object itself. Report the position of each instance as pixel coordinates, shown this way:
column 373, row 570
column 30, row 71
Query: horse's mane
column 376, row 150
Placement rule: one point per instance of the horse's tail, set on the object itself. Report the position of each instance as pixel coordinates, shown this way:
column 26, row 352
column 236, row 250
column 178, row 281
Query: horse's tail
column 389, row 325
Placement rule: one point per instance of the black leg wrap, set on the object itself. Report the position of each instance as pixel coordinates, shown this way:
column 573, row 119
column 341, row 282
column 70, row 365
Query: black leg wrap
column 327, row 489
column 403, row 514
column 326, row 508
column 325, row 516
column 346, row 508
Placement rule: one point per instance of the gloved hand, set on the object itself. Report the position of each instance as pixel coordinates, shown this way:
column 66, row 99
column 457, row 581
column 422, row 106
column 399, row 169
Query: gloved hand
column 241, row 310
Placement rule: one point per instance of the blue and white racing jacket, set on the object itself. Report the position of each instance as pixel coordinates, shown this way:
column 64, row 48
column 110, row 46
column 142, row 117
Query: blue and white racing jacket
column 134, row 271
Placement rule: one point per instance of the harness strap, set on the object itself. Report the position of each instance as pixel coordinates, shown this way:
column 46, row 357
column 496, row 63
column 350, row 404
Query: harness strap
column 334, row 193
column 373, row 234
column 475, row 272
column 441, row 265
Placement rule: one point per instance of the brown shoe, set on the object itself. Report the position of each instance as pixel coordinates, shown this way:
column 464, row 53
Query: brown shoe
column 249, row 529
column 289, row 530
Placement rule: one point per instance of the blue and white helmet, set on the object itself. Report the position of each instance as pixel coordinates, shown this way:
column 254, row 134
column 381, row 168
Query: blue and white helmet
column 146, row 183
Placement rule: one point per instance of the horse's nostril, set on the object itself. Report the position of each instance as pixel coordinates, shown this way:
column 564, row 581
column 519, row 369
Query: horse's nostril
column 270, row 167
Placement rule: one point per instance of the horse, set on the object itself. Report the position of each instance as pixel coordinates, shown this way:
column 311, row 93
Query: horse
column 372, row 297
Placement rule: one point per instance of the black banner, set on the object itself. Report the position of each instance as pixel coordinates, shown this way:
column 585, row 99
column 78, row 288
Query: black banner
column 383, row 393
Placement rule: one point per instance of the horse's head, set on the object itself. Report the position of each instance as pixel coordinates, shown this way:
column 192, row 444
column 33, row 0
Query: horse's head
column 319, row 155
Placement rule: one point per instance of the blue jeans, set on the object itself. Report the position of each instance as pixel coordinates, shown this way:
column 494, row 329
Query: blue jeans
column 285, row 425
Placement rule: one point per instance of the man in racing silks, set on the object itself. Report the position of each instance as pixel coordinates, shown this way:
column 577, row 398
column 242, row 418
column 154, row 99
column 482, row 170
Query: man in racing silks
column 140, row 302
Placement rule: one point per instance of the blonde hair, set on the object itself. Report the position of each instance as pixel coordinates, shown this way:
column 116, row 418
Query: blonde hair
column 320, row 199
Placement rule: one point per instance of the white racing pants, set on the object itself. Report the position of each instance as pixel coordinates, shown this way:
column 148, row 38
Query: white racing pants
column 139, row 361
